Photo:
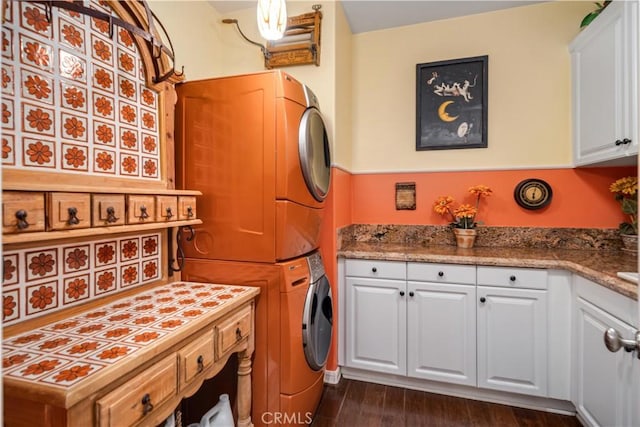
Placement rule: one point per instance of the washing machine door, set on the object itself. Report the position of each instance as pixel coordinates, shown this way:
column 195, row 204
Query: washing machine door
column 317, row 319
column 313, row 149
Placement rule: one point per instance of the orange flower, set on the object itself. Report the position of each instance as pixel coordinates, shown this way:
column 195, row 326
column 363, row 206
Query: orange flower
column 119, row 317
column 149, row 144
column 465, row 211
column 76, row 259
column 147, row 97
column 74, row 127
column 144, row 320
column 129, row 139
column 164, row 299
column 105, row 280
column 149, row 120
column 129, row 275
column 127, row 89
column 72, row 373
column 103, row 106
column 209, row 304
column 39, row 119
column 6, row 79
column 76, row 288
column 41, row 264
column 9, row 268
column 166, row 310
column 113, row 353
column 41, row 367
column 104, row 134
column 129, row 164
column 104, row 161
column 65, row 325
column 16, row 359
column 480, row 190
column 150, row 167
column 38, row 87
column 171, row 323
column 144, row 307
column 150, row 246
column 117, row 332
column 74, row 97
column 27, row 339
column 90, row 328
column 128, row 114
column 83, row 348
column 143, row 298
column 192, row 313
column 126, row 62
column 150, row 269
column 105, row 254
column 39, row 153
column 146, row 336
column 75, row 157
column 102, row 26
column 37, row 54
column 54, row 343
column 442, row 205
column 6, row 114
column 96, row 314
column 125, row 37
column 186, row 301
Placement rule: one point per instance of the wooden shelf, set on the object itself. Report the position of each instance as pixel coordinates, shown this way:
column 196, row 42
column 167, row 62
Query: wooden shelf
column 75, row 188
column 40, row 236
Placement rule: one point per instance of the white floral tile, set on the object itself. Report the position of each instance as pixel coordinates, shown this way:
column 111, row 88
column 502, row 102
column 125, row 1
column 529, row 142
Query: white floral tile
column 76, row 258
column 8, row 116
column 71, row 35
column 8, row 149
column 10, row 305
column 150, row 270
column 126, row 62
column 149, row 167
column 7, row 43
column 36, row 53
column 41, row 297
column 129, row 275
column 74, row 97
column 10, row 269
column 74, row 157
column 150, row 245
column 33, row 18
column 128, row 139
column 104, row 133
column 103, row 79
column 41, row 264
column 105, row 281
column 104, row 161
column 38, row 119
column 127, row 88
column 128, row 113
column 74, row 127
column 72, row 374
column 103, row 106
column 8, row 80
column 37, row 87
column 39, row 153
column 101, row 49
column 125, row 39
column 106, row 253
column 129, row 164
column 76, row 289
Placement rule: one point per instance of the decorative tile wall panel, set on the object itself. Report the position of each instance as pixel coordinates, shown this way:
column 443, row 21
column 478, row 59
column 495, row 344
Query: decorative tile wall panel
column 69, row 91
column 41, row 280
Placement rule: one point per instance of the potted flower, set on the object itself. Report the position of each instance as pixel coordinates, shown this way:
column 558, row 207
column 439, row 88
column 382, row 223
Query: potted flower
column 625, row 191
column 463, row 218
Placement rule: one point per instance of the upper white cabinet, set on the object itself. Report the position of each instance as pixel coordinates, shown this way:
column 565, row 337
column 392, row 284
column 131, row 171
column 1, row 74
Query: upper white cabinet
column 605, row 88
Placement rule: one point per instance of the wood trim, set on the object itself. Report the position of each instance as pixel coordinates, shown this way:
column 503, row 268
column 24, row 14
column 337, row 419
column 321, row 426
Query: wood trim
column 42, row 236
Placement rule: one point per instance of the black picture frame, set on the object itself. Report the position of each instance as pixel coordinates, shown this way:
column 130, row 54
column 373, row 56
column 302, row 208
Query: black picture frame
column 451, row 104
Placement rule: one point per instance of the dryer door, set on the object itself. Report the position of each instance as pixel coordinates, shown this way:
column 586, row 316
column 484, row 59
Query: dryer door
column 317, row 319
column 313, row 149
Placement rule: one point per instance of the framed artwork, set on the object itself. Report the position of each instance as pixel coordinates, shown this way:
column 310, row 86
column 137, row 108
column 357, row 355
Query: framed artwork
column 451, row 104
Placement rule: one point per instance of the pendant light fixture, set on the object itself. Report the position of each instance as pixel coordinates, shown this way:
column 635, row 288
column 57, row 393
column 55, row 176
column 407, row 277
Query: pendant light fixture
column 272, row 18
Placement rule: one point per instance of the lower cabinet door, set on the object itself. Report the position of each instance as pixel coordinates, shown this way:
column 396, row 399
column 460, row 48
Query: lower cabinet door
column 376, row 325
column 512, row 339
column 441, row 332
column 607, row 383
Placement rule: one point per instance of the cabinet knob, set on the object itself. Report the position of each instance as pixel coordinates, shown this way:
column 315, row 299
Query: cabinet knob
column 21, row 216
column 618, row 142
column 169, row 213
column 111, row 215
column 200, row 361
column 483, row 300
column 512, row 278
column 73, row 216
column 189, row 212
column 626, row 141
column 374, row 269
column 238, row 334
column 147, row 405
column 143, row 212
column 440, row 273
column 411, row 294
column 401, row 293
column 614, row 341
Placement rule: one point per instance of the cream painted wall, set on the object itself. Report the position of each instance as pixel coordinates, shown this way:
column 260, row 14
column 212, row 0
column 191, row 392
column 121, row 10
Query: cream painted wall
column 342, row 146
column 529, row 89
column 194, row 29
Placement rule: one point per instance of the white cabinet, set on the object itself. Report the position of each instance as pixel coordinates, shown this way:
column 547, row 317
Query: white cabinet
column 376, row 316
column 607, row 385
column 441, row 323
column 605, row 88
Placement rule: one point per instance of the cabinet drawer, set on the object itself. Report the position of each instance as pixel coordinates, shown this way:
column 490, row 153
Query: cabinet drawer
column 67, row 211
column 107, row 210
column 376, row 269
column 140, row 209
column 131, row 402
column 166, row 208
column 196, row 357
column 232, row 330
column 512, row 277
column 445, row 273
column 32, row 216
column 186, row 207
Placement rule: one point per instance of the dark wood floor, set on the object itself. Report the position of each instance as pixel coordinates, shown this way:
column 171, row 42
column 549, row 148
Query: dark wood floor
column 359, row 404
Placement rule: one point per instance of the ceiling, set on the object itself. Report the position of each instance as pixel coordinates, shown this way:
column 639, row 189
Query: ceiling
column 371, row 15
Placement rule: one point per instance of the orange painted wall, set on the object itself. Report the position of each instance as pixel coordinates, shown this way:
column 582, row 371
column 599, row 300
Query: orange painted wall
column 581, row 197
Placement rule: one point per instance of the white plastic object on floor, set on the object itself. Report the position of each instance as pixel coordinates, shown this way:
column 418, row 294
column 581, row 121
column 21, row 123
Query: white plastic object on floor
column 220, row 415
column 170, row 422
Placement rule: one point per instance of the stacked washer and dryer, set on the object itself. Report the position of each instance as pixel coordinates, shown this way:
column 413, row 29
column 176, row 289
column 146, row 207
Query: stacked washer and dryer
column 256, row 146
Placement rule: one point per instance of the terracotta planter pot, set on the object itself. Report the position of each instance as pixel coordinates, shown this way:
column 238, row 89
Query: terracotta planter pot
column 629, row 242
column 465, row 237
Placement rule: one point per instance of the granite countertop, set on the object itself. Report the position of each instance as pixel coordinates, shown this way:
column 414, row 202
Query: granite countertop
column 598, row 266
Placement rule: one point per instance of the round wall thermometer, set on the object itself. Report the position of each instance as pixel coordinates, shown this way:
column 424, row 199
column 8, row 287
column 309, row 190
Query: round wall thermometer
column 533, row 193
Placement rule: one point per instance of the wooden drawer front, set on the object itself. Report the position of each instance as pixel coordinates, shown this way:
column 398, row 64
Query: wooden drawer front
column 196, row 357
column 66, row 211
column 232, row 330
column 125, row 405
column 33, row 206
column 108, row 210
column 166, row 208
column 512, row 277
column 376, row 269
column 140, row 209
column 186, row 207
column 445, row 273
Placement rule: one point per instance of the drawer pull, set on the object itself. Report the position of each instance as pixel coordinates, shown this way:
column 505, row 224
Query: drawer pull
column 483, row 300
column 189, row 212
column 21, row 215
column 401, row 293
column 238, row 334
column 512, row 278
column 169, row 213
column 374, row 269
column 111, row 215
column 148, row 406
column 440, row 273
column 200, row 363
column 73, row 216
column 143, row 212
column 411, row 294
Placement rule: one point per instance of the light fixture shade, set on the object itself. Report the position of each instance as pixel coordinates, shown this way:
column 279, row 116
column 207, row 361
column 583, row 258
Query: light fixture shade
column 272, row 18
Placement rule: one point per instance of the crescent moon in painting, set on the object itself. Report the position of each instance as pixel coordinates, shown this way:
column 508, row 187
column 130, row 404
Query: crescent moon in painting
column 442, row 112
